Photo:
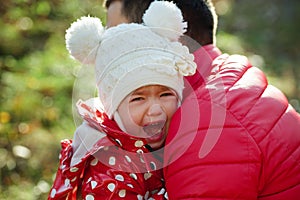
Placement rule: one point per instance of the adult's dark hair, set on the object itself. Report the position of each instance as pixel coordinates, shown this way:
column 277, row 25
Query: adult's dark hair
column 199, row 14
column 201, row 18
column 133, row 10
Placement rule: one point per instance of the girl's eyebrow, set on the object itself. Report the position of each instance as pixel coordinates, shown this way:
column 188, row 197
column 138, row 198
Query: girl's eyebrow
column 138, row 92
column 144, row 90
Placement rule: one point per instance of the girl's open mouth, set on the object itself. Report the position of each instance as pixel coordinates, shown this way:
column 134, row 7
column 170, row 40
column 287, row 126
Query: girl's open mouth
column 154, row 131
column 154, row 128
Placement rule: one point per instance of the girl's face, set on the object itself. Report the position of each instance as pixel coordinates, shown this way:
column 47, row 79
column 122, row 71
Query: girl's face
column 147, row 112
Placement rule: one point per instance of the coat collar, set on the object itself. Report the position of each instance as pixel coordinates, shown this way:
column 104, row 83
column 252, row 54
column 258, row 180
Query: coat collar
column 97, row 119
column 204, row 57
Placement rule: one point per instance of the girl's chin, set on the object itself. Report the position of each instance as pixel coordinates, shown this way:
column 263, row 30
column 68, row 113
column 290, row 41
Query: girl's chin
column 156, row 141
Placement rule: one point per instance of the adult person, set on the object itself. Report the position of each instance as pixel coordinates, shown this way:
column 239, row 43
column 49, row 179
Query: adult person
column 246, row 144
column 235, row 136
column 140, row 84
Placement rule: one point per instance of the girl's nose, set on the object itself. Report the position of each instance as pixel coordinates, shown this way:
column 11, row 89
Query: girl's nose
column 154, row 109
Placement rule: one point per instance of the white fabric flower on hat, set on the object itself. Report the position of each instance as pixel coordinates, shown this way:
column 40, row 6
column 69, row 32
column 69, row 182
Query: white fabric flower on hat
column 184, row 62
column 183, row 67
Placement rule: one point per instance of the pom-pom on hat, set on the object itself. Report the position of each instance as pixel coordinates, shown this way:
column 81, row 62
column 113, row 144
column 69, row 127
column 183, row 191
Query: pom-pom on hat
column 130, row 56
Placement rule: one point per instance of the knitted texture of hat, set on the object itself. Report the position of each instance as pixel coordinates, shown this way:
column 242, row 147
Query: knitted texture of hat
column 130, row 56
column 135, row 56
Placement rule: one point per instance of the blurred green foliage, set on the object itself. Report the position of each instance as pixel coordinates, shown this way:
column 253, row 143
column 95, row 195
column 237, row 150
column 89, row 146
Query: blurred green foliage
column 36, row 87
column 37, row 76
column 267, row 32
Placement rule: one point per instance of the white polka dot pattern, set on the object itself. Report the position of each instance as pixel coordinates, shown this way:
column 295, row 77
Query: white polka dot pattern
column 153, row 165
column 147, row 176
column 128, row 158
column 119, row 142
column 111, row 187
column 162, row 191
column 67, row 182
column 74, row 179
column 130, row 185
column 119, row 177
column 146, row 195
column 111, row 172
column 94, row 162
column 122, row 193
column 112, row 160
column 53, row 193
column 134, row 176
column 89, row 197
column 140, row 197
column 138, row 143
column 74, row 169
column 93, row 184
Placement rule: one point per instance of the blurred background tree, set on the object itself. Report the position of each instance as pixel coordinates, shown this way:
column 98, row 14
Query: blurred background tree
column 37, row 76
column 267, row 32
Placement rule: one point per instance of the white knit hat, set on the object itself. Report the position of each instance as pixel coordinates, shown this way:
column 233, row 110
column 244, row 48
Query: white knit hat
column 129, row 56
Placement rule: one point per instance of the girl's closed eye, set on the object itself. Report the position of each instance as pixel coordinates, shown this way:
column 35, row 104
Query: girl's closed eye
column 136, row 99
column 167, row 94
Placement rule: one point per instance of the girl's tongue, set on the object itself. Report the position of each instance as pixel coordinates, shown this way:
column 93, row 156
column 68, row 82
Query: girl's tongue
column 154, row 128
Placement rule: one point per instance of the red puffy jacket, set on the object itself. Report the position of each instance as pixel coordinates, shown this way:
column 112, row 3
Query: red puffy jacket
column 236, row 137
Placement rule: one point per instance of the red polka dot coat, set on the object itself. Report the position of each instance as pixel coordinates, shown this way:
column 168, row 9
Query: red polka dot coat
column 119, row 166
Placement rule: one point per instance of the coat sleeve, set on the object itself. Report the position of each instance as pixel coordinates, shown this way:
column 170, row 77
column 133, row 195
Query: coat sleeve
column 67, row 178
